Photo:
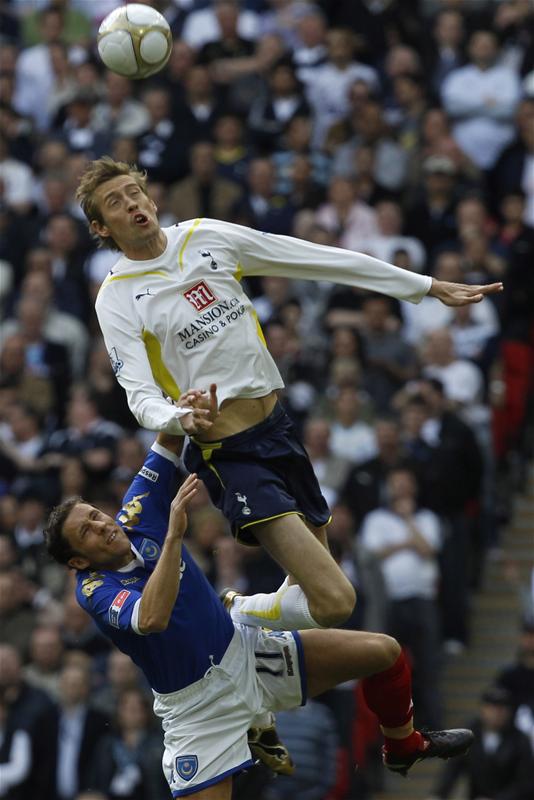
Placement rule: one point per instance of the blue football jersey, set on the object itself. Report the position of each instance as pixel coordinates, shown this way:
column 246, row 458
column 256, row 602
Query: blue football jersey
column 200, row 628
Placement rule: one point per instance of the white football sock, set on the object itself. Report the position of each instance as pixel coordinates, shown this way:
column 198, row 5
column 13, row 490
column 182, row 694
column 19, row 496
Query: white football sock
column 284, row 610
column 263, row 721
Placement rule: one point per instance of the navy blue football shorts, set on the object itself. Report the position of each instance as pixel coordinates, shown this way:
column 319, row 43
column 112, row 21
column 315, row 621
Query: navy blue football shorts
column 259, row 474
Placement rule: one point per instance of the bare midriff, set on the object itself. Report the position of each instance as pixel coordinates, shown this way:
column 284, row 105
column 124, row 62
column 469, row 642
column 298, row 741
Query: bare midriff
column 236, row 414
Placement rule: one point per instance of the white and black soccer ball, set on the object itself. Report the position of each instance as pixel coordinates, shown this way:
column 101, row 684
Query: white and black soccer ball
column 135, row 41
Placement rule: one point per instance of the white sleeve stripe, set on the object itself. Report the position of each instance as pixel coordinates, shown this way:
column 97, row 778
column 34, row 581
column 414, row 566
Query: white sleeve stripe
column 134, row 622
column 168, row 454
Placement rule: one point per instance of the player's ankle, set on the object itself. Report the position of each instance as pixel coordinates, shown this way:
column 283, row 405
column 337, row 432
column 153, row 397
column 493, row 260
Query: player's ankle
column 405, row 746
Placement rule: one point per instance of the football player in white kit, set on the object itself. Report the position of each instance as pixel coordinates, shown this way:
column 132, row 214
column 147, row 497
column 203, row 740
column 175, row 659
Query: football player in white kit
column 212, row 677
column 174, row 314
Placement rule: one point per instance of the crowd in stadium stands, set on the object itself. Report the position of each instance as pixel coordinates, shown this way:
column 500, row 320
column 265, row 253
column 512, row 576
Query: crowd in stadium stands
column 401, row 128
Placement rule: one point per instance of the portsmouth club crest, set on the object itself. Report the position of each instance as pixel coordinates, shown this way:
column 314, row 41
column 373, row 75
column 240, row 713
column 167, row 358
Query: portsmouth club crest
column 186, row 767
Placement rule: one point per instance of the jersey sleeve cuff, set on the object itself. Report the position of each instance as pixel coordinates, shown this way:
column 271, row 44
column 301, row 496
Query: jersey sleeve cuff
column 134, row 621
column 164, row 453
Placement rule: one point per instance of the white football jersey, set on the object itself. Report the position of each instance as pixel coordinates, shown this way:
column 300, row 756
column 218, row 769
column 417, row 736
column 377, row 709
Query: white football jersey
column 182, row 320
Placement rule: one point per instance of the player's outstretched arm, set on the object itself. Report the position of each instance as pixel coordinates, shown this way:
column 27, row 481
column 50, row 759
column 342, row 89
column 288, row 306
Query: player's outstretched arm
column 461, row 294
column 161, row 590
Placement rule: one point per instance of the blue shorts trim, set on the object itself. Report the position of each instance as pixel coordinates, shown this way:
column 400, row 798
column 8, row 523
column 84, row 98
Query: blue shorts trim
column 302, row 667
column 258, row 475
column 217, row 779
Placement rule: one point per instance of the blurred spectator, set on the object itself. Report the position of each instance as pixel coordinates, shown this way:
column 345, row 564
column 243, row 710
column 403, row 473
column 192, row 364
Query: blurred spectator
column 231, row 153
column 15, row 181
column 406, row 539
column 390, row 360
column 328, row 87
column 330, row 467
column 453, row 483
column 73, row 731
column 59, row 327
column 46, row 658
column 262, row 207
column 311, row 51
column 518, row 679
column 27, row 709
column 88, row 435
column 365, row 486
column 390, row 240
column 481, row 97
column 473, row 340
column 119, row 113
column 15, row 757
column 499, row 763
column 462, row 381
column 203, row 26
column 16, row 618
column 203, row 193
column 227, row 41
column 161, row 145
column 446, row 46
column 271, row 113
column 67, row 243
column 35, row 76
column 310, row 734
column 121, row 676
column 368, row 129
column 352, row 438
column 512, row 168
column 345, row 216
column 431, row 218
column 126, row 761
column 297, row 142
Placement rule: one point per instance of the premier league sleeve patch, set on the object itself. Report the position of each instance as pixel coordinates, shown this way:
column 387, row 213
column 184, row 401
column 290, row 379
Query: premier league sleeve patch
column 186, row 767
column 116, row 607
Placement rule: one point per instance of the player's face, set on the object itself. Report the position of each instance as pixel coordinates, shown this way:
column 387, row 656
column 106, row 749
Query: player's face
column 96, row 538
column 129, row 216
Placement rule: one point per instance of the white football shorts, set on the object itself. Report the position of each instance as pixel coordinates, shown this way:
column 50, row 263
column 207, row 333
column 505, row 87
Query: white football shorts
column 205, row 724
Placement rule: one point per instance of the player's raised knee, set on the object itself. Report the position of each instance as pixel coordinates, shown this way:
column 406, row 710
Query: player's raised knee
column 389, row 649
column 335, row 605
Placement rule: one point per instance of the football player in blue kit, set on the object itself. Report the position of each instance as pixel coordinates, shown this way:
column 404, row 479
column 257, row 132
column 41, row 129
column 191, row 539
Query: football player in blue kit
column 211, row 677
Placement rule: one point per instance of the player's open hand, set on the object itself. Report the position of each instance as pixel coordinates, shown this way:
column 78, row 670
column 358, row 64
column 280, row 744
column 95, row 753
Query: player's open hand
column 204, row 409
column 178, row 516
column 461, row 294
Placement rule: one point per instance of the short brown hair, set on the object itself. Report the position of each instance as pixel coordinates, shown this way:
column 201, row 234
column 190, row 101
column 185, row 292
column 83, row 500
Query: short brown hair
column 98, row 172
column 59, row 548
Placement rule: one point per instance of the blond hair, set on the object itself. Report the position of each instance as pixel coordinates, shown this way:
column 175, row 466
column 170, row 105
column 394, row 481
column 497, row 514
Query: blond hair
column 97, row 173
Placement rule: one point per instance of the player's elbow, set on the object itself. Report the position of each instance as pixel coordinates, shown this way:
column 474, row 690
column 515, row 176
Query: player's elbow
column 152, row 624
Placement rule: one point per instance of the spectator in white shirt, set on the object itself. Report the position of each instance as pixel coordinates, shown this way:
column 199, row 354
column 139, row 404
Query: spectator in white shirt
column 405, row 540
column 202, row 26
column 389, row 218
column 329, row 85
column 462, row 380
column 481, row 97
column 350, row 437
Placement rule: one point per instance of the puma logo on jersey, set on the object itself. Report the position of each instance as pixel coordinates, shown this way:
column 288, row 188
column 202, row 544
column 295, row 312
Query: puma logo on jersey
column 144, row 294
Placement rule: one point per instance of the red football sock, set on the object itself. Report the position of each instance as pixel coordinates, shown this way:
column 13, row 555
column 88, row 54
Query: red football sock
column 389, row 695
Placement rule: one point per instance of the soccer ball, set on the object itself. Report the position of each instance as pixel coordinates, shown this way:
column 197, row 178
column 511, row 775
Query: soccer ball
column 135, row 41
